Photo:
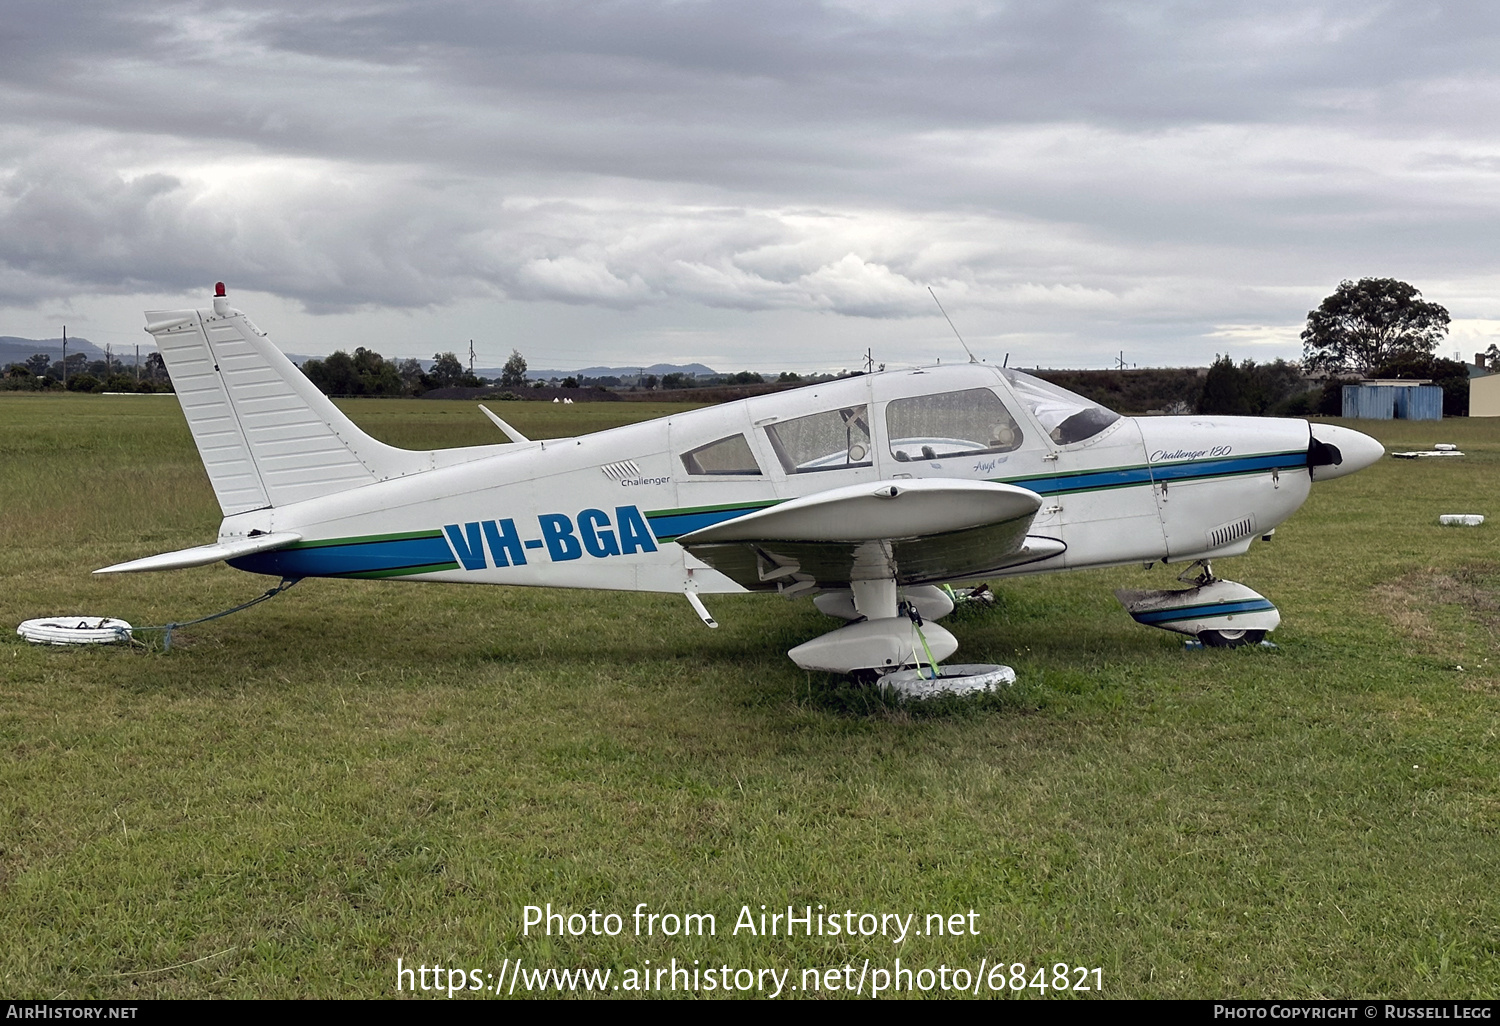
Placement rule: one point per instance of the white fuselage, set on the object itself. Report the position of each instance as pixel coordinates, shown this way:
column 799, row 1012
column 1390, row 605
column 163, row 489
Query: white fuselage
column 602, row 510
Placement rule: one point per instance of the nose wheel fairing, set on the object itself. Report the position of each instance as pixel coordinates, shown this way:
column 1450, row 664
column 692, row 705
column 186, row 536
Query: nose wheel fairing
column 1221, row 614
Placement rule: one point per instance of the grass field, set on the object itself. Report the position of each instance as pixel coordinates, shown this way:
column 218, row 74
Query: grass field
column 296, row 796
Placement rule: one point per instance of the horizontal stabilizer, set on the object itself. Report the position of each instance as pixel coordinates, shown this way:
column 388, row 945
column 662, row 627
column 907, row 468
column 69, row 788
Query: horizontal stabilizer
column 510, row 432
column 203, row 555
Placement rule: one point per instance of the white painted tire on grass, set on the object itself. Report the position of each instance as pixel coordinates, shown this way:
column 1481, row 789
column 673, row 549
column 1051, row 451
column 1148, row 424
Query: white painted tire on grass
column 953, row 679
column 74, row 630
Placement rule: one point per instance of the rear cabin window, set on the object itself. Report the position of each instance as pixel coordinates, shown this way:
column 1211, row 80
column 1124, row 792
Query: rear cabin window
column 727, row 456
column 835, row 440
column 931, row 427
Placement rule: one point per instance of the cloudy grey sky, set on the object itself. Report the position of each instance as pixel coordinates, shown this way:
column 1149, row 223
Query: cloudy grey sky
column 767, row 184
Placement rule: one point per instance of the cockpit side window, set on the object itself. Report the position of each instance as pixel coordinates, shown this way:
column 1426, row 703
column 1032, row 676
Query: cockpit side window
column 834, row 440
column 727, row 456
column 1066, row 416
column 930, row 427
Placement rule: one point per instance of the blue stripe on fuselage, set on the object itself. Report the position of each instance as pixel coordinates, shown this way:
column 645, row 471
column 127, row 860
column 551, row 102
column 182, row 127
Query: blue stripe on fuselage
column 336, row 560
column 1083, row 480
column 667, row 525
column 1125, row 477
column 1229, row 467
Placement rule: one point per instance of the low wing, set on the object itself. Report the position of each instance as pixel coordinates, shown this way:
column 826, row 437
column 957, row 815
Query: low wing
column 912, row 531
column 202, row 555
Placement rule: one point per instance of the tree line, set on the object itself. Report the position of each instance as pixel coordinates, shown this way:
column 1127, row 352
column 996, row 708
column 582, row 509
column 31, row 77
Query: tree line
column 1372, row 328
column 367, row 373
column 41, row 373
column 361, row 373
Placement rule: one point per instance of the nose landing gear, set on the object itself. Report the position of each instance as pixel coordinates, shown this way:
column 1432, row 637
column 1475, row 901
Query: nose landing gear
column 1219, row 613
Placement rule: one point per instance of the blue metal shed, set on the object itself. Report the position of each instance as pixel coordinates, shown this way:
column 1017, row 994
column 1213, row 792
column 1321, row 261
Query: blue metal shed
column 1393, row 400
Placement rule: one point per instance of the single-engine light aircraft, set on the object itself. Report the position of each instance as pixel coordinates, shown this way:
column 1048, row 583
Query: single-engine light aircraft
column 865, row 494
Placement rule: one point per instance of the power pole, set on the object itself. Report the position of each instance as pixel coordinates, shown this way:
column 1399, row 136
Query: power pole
column 138, row 364
column 65, row 357
column 471, row 357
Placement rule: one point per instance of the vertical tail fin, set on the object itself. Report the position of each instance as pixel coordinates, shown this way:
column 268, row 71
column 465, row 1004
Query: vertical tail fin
column 267, row 436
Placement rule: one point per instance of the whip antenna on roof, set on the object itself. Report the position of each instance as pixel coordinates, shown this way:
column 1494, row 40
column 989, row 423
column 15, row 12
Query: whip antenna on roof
column 951, row 325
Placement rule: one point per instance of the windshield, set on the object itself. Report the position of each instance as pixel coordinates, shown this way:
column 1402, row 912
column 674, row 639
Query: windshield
column 1066, row 416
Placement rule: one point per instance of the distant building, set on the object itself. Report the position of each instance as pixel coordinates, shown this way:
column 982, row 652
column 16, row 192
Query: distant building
column 1393, row 399
column 1484, row 389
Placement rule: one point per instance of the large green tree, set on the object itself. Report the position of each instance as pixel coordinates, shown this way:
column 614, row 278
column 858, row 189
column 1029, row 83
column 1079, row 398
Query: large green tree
column 446, row 370
column 513, row 374
column 1368, row 323
column 1225, row 389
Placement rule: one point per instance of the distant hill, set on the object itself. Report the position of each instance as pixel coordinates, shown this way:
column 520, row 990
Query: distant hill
column 17, row 350
column 493, row 373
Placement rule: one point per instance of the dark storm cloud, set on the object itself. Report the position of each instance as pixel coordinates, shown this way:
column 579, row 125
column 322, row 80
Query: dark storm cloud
column 788, row 70
column 1136, row 64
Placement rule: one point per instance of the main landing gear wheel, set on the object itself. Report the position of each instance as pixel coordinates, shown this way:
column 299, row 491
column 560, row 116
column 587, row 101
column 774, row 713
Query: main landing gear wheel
column 1230, row 639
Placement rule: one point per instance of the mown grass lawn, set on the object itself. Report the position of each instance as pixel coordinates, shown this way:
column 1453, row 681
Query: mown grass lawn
column 296, row 796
